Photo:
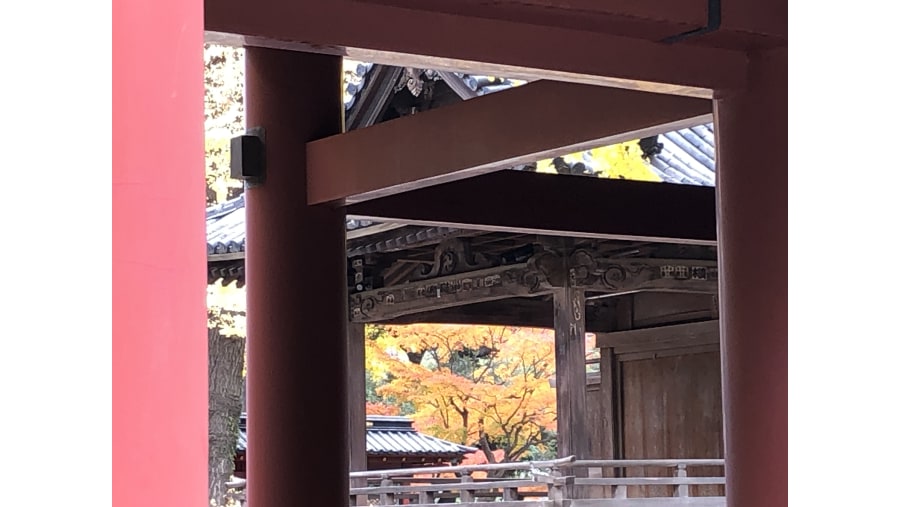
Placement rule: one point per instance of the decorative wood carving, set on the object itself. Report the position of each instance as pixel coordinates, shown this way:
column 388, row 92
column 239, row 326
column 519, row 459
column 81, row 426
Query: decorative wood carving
column 452, row 256
column 593, row 272
column 500, row 282
column 459, row 276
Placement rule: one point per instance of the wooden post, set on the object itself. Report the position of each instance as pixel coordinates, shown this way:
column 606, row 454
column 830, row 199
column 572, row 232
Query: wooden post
column 624, row 321
column 356, row 400
column 297, row 353
column 752, row 157
column 611, row 445
column 573, row 439
column 609, row 407
column 571, row 375
column 466, row 495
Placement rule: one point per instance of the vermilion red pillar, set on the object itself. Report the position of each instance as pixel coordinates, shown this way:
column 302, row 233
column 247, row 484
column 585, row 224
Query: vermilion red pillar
column 296, row 265
column 752, row 172
column 159, row 372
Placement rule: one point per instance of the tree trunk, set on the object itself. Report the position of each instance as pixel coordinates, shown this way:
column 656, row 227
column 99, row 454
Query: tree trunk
column 226, row 364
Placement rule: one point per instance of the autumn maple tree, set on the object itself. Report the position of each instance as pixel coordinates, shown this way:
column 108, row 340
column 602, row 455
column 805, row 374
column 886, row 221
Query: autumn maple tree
column 477, row 385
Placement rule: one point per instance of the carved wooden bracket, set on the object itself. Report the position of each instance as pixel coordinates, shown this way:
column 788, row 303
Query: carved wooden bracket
column 601, row 274
column 453, row 256
column 543, row 272
column 517, row 280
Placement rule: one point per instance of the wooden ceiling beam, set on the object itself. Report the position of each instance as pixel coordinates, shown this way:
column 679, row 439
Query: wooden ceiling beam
column 532, row 122
column 515, row 48
column 557, row 205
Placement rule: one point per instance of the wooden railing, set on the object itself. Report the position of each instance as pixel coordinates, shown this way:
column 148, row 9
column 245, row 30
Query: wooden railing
column 558, row 483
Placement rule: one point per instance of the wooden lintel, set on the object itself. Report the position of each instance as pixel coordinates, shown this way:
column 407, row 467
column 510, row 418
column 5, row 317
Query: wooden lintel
column 502, row 282
column 661, row 338
column 557, row 205
column 489, row 133
column 661, row 353
column 629, row 275
column 534, row 312
column 469, row 43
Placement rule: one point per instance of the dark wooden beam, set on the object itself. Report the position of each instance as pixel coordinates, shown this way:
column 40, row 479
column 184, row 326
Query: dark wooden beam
column 466, row 43
column 532, row 122
column 661, row 338
column 653, row 309
column 448, row 291
column 534, row 312
column 668, row 352
column 544, row 271
column 557, row 205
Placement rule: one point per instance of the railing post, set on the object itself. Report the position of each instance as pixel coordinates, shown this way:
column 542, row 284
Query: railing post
column 682, row 489
column 386, row 498
column 356, row 499
column 511, row 494
column 561, row 490
column 466, row 495
column 426, row 497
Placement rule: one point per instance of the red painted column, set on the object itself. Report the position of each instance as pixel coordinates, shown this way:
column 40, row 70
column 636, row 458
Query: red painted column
column 752, row 157
column 159, row 374
column 297, row 452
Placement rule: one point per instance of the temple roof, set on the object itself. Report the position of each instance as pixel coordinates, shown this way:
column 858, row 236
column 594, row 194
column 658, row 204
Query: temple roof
column 391, row 436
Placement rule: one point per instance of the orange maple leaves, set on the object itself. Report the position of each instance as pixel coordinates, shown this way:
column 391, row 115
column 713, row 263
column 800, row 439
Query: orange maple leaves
column 474, row 385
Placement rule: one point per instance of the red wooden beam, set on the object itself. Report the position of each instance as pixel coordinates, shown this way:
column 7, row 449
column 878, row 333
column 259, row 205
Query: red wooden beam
column 561, row 205
column 650, row 19
column 504, row 47
column 525, row 124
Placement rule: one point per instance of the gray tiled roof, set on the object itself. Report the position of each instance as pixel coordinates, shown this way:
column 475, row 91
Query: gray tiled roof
column 392, row 436
column 354, row 81
column 225, row 229
column 686, row 156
